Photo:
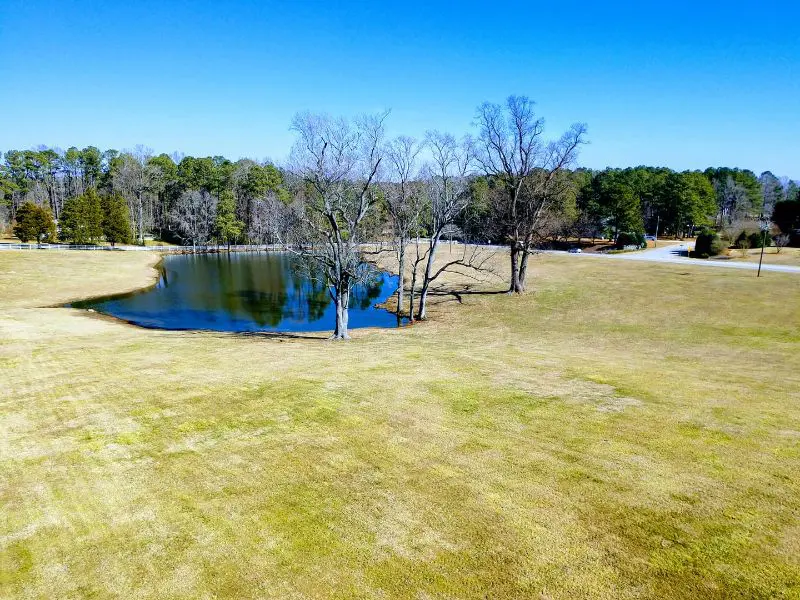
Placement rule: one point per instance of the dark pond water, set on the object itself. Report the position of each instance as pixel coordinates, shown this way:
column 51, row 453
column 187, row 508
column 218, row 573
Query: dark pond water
column 244, row 292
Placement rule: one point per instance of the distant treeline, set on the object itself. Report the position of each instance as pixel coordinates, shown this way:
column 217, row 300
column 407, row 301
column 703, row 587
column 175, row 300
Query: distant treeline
column 127, row 196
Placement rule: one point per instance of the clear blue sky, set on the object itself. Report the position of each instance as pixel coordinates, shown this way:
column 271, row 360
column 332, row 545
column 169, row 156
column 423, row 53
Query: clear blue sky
column 684, row 84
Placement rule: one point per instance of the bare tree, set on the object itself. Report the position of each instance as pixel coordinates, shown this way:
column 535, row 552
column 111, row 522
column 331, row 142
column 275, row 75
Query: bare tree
column 134, row 178
column 733, row 201
column 339, row 162
column 272, row 221
column 511, row 149
column 192, row 216
column 403, row 200
column 262, row 220
column 781, row 241
column 448, row 195
column 744, row 246
column 772, row 190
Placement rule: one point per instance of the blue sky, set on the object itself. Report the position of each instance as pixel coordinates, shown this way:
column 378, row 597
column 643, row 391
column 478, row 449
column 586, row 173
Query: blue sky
column 684, row 84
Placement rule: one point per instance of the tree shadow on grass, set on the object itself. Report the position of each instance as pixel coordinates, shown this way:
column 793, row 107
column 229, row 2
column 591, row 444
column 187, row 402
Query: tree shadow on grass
column 458, row 293
column 276, row 335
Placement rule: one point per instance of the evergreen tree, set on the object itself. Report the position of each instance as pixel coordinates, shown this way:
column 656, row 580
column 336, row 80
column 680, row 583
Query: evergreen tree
column 226, row 225
column 772, row 190
column 34, row 223
column 82, row 218
column 745, row 179
column 116, row 220
column 617, row 201
column 687, row 200
column 786, row 215
column 792, row 191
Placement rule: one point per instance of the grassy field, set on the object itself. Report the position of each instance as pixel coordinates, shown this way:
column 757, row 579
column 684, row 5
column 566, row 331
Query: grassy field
column 787, row 256
column 627, row 430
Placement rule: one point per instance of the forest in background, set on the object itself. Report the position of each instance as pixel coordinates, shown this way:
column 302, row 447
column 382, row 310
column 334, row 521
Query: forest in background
column 179, row 198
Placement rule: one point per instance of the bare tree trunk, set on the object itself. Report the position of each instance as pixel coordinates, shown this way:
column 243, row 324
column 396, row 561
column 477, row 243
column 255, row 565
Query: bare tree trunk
column 517, row 286
column 411, row 295
column 341, row 300
column 141, row 221
column 523, row 270
column 426, row 280
column 413, row 289
column 401, row 259
column 343, row 330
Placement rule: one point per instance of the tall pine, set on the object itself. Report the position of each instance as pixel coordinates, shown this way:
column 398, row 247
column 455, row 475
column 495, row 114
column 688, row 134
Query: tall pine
column 116, row 220
column 226, row 225
column 81, row 219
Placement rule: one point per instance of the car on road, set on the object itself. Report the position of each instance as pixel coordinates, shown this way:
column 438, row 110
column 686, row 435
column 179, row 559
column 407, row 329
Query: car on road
column 575, row 250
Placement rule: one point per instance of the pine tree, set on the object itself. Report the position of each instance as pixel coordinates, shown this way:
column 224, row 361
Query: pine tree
column 34, row 223
column 226, row 225
column 116, row 220
column 82, row 218
column 94, row 213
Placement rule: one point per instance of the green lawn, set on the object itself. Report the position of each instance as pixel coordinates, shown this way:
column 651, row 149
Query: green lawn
column 627, row 430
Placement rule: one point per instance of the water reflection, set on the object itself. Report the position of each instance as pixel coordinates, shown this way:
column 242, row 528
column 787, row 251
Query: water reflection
column 246, row 292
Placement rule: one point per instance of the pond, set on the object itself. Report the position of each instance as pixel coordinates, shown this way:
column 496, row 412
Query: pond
column 245, row 291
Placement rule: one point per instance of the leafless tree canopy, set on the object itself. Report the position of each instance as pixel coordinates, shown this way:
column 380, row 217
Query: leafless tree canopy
column 339, row 162
column 446, row 182
column 405, row 200
column 193, row 216
column 735, row 203
column 511, row 149
column 135, row 179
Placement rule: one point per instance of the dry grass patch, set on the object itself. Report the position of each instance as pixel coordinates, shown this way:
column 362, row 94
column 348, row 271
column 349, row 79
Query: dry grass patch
column 626, row 430
column 786, row 256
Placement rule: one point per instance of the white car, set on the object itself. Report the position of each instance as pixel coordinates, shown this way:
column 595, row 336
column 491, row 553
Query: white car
column 575, row 250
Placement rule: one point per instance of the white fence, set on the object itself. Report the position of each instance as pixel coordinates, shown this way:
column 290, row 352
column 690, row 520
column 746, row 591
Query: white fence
column 205, row 248
column 382, row 244
column 53, row 247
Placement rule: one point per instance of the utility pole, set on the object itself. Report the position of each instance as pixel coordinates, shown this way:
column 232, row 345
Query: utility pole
column 655, row 242
column 764, row 229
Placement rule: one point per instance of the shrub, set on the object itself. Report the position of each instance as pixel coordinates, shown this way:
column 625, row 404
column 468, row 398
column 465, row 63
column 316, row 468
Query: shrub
column 741, row 240
column 756, row 239
column 708, row 244
column 628, row 238
column 717, row 247
column 781, row 241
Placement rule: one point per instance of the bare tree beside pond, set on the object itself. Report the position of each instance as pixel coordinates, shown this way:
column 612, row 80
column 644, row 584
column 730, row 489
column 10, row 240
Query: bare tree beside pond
column 339, row 162
column 447, row 191
column 511, row 150
column 404, row 201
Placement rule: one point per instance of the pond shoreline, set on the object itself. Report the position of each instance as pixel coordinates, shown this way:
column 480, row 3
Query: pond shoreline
column 239, row 296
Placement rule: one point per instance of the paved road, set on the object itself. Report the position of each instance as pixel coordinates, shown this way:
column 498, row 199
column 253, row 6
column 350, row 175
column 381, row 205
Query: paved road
column 678, row 254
